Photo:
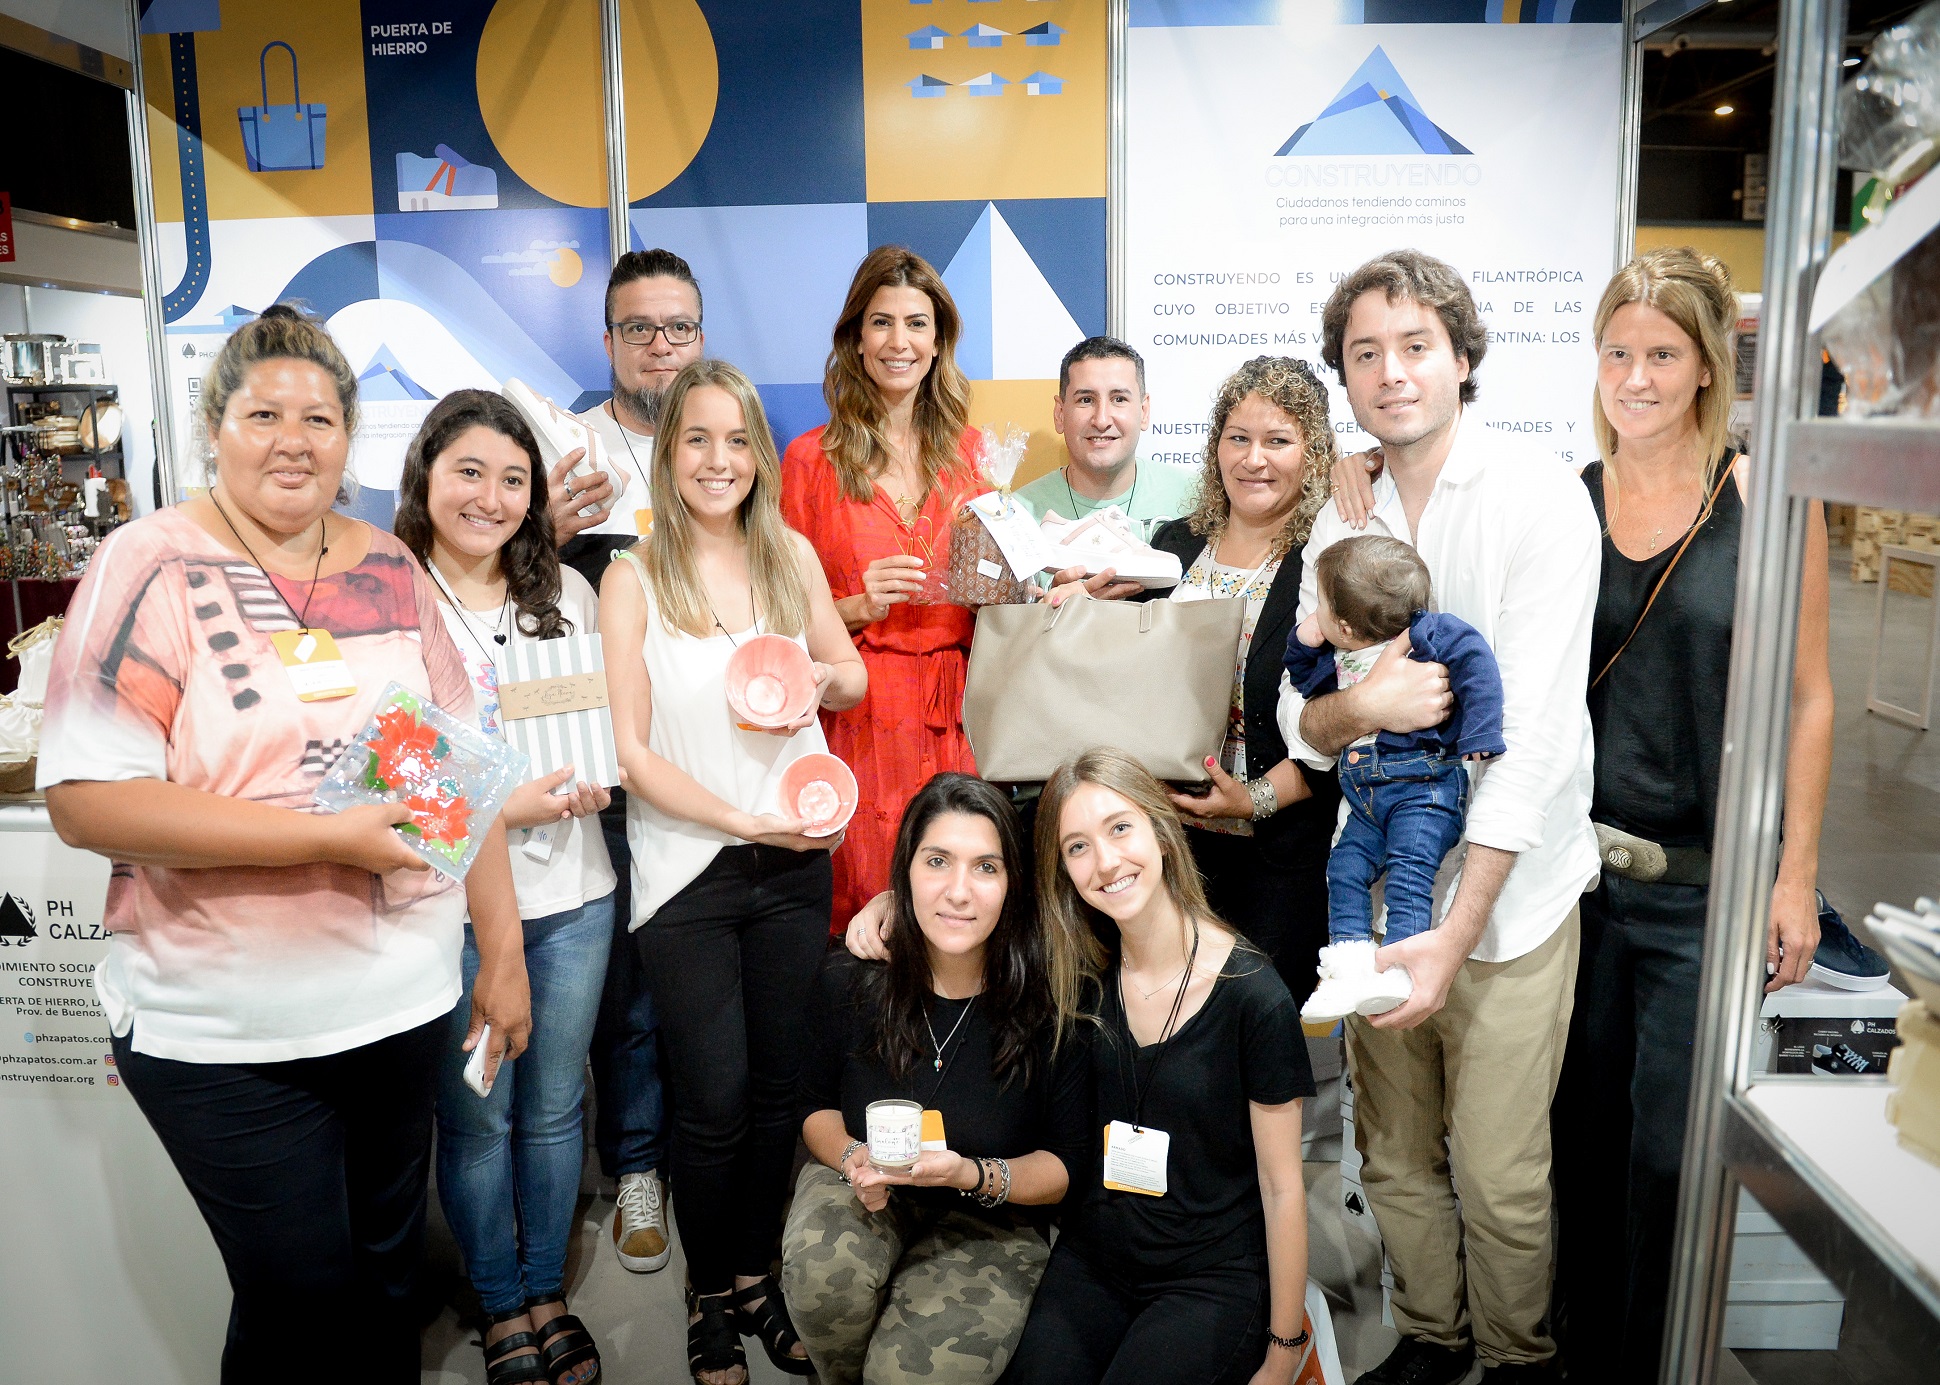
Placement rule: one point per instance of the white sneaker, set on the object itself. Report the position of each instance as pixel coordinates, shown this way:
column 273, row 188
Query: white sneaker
column 640, row 1224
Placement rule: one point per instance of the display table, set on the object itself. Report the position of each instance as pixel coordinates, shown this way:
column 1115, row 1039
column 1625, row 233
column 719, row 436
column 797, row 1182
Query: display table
column 1842, row 1128
column 106, row 1269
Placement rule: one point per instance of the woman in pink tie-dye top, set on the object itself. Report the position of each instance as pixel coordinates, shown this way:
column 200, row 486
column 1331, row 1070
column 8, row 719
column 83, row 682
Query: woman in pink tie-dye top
column 278, row 980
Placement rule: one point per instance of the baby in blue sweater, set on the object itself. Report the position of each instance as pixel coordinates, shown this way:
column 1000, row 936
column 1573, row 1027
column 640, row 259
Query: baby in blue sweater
column 1407, row 794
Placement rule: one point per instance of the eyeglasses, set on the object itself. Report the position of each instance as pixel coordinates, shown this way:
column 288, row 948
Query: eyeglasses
column 679, row 332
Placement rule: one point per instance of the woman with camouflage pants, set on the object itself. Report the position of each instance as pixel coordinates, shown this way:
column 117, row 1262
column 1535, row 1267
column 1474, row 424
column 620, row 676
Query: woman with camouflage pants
column 928, row 1271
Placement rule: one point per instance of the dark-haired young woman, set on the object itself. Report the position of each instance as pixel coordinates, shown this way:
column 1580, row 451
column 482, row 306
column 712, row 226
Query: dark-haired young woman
column 472, row 507
column 929, row 1270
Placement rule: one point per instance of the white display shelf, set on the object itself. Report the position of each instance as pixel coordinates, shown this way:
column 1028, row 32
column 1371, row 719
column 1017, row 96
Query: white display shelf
column 1891, row 463
column 1820, row 1156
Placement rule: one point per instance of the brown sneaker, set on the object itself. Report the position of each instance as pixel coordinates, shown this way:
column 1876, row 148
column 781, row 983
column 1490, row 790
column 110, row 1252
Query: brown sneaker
column 640, row 1224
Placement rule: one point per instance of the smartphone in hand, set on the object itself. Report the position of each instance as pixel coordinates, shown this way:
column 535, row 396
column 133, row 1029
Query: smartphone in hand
column 475, row 1075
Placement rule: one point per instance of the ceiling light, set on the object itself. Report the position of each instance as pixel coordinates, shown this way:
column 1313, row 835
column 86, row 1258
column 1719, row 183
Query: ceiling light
column 1724, row 110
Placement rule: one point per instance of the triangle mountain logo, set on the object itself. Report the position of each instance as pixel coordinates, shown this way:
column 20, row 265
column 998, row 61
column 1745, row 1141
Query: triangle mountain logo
column 1374, row 113
column 16, row 919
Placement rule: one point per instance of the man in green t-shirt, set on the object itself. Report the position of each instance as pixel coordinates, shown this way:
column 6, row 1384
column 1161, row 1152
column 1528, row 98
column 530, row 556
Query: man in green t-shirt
column 1101, row 409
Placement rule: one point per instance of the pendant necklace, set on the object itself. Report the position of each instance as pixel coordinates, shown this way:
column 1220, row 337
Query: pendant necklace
column 939, row 1047
column 753, row 620
column 1072, row 496
column 496, row 630
column 323, row 547
column 1163, row 984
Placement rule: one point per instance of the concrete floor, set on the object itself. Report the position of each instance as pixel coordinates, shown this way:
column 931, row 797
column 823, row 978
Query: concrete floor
column 1881, row 841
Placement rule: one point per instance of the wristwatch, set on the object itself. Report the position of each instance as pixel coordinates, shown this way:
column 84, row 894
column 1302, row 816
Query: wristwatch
column 1265, row 801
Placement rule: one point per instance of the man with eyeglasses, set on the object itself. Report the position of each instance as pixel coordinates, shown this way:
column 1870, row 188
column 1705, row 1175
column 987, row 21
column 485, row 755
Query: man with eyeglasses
column 653, row 328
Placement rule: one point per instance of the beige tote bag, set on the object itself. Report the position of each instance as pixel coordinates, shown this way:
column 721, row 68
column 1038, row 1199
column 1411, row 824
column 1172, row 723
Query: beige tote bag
column 1153, row 678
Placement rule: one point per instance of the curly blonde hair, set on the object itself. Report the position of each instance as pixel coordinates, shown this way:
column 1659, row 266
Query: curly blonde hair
column 1291, row 387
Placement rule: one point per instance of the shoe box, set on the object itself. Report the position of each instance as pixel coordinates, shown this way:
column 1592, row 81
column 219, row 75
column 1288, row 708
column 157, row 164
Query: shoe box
column 1811, row 1028
column 1778, row 1300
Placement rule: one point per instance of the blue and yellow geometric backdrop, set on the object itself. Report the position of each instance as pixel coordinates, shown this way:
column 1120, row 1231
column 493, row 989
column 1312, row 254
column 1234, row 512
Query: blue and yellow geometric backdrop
column 433, row 180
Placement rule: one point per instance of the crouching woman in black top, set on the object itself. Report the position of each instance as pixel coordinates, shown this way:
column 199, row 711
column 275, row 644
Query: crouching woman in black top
column 1186, row 1256
column 929, row 1270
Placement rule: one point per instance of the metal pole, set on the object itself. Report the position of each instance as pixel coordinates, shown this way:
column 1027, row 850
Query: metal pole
column 1804, row 150
column 1118, row 35
column 148, row 239
column 619, row 235
column 1630, row 138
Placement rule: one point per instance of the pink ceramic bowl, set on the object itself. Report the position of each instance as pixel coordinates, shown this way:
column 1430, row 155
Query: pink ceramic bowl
column 770, row 681
column 821, row 789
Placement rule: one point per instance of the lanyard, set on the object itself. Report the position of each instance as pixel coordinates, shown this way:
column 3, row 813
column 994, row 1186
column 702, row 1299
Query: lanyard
column 1142, row 1090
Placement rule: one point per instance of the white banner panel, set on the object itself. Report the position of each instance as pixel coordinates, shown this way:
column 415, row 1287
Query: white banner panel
column 1266, row 161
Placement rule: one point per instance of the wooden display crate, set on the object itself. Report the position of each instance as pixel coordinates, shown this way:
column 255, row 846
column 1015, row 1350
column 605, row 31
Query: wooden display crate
column 1874, row 528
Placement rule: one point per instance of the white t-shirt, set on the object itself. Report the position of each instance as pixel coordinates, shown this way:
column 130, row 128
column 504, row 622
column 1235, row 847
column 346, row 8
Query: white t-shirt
column 629, row 457
column 577, row 870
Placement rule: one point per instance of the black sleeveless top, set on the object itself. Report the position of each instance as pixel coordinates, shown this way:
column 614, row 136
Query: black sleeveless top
column 1658, row 717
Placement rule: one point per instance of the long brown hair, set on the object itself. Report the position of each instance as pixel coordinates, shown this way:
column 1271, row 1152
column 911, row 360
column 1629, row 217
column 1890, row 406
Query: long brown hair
column 529, row 559
column 1289, row 386
column 856, row 440
column 1064, row 911
column 1693, row 290
column 774, row 569
column 1033, row 975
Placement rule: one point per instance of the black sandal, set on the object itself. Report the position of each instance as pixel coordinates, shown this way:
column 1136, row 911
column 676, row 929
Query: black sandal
column 515, row 1359
column 567, row 1343
column 769, row 1325
column 713, row 1344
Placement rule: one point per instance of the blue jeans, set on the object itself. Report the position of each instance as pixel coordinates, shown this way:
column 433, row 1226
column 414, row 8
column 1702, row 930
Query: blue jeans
column 629, row 1108
column 508, row 1164
column 1404, row 812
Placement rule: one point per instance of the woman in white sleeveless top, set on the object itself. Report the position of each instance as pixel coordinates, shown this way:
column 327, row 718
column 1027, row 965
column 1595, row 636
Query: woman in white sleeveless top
column 730, row 900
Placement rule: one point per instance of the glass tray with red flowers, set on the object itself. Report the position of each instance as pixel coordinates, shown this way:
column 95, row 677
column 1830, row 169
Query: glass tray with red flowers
column 453, row 777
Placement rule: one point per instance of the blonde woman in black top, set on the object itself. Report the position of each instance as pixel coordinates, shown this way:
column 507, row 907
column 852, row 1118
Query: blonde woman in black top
column 1185, row 1256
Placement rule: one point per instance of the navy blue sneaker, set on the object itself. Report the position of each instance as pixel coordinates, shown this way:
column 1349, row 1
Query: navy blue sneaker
column 1842, row 960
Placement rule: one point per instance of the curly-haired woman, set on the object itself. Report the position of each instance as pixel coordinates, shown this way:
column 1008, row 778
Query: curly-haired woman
column 1260, row 833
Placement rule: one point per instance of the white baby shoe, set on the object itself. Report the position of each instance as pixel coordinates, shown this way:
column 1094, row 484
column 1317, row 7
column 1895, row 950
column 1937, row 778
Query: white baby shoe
column 1350, row 985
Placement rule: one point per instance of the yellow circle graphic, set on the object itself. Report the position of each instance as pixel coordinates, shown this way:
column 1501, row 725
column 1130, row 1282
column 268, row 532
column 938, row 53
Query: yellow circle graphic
column 566, row 267
column 542, row 95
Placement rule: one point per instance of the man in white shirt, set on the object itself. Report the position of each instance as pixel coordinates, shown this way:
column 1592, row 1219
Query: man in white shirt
column 653, row 329
column 1462, row 1074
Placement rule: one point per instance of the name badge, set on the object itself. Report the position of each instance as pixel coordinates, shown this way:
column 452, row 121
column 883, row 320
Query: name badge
column 537, row 843
column 317, row 670
column 933, row 1132
column 1135, row 1158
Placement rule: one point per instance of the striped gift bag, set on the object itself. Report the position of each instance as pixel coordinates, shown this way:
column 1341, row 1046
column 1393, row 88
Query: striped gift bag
column 552, row 705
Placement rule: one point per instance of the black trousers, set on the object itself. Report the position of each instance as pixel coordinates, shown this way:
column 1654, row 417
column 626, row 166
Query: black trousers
column 311, row 1175
column 1206, row 1328
column 1618, row 1121
column 1279, row 901
column 732, row 960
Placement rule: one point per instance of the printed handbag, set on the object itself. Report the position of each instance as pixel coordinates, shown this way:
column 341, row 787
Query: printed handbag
column 281, row 139
column 1153, row 678
column 979, row 576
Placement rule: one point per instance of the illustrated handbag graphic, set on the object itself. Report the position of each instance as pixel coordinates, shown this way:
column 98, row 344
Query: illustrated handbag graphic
column 279, row 139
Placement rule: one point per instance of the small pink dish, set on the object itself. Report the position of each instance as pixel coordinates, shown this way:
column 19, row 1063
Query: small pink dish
column 770, row 681
column 821, row 789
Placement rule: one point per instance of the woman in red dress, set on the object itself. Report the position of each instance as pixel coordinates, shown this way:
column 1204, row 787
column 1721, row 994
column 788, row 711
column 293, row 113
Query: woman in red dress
column 874, row 490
